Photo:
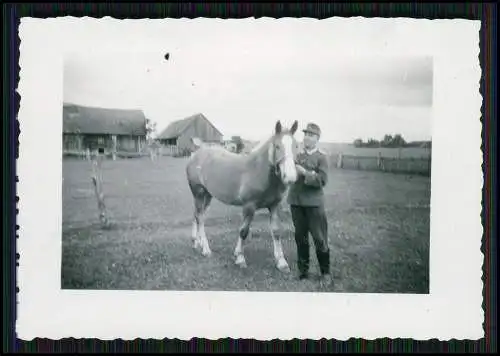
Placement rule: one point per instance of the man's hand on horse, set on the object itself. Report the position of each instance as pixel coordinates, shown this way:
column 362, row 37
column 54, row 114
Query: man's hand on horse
column 300, row 169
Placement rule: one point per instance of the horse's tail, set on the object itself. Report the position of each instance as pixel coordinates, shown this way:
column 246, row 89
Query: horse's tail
column 197, row 141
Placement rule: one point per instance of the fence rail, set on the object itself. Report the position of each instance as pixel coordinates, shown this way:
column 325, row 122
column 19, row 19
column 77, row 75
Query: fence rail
column 173, row 151
column 406, row 165
column 88, row 154
column 152, row 152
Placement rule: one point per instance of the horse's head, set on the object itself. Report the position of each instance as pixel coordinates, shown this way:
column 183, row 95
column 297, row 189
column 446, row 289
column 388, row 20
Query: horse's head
column 282, row 152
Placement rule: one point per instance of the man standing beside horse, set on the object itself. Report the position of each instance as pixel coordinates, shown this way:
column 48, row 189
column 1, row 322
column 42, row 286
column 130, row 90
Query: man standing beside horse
column 306, row 199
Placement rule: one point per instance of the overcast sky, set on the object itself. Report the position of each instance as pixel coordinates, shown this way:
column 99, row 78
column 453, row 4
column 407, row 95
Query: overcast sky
column 246, row 79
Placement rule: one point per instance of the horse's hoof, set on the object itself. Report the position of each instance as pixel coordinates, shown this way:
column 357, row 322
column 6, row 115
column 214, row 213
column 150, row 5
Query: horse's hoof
column 242, row 265
column 283, row 267
column 240, row 261
column 206, row 253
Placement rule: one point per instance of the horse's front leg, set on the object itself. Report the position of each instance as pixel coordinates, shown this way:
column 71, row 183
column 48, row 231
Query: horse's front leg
column 248, row 214
column 279, row 255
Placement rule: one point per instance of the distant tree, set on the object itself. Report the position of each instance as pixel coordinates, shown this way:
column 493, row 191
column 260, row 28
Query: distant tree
column 387, row 141
column 358, row 142
column 398, row 141
column 372, row 143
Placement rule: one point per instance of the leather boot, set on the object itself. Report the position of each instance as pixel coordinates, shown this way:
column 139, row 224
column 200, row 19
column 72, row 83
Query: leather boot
column 326, row 281
column 303, row 260
column 324, row 261
column 324, row 266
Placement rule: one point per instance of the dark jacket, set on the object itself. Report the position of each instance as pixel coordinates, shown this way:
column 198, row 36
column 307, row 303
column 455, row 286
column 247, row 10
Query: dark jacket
column 308, row 190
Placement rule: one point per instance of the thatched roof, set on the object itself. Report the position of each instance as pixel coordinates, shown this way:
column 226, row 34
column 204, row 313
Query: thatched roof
column 93, row 120
column 176, row 128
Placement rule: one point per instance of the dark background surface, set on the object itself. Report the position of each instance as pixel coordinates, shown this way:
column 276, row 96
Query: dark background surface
column 11, row 18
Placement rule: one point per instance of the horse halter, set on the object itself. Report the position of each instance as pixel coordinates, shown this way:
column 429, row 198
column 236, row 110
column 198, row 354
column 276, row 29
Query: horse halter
column 275, row 163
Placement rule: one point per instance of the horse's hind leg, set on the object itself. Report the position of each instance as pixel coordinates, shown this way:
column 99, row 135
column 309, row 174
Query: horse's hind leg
column 195, row 236
column 195, row 230
column 202, row 199
column 202, row 204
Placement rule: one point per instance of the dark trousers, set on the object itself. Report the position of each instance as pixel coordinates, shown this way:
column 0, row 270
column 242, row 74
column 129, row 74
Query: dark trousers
column 311, row 220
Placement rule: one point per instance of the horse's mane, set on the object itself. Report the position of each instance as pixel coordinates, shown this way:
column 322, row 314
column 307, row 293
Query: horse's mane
column 261, row 144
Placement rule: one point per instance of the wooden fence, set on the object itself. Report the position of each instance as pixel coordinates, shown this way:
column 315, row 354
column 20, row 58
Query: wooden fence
column 406, row 165
column 97, row 180
column 174, row 151
column 153, row 153
column 87, row 155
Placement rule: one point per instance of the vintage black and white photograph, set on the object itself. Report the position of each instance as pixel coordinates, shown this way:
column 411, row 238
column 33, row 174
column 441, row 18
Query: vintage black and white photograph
column 313, row 158
column 247, row 168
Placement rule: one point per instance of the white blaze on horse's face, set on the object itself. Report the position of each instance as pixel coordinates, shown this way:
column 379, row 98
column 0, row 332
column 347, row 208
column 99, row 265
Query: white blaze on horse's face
column 287, row 165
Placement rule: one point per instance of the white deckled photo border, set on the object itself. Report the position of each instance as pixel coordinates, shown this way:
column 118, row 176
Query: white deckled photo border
column 453, row 309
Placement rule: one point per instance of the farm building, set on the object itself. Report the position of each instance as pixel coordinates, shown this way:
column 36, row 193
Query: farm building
column 91, row 127
column 179, row 133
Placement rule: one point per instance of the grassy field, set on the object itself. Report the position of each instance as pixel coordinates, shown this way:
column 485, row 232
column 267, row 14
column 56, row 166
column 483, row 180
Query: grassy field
column 378, row 231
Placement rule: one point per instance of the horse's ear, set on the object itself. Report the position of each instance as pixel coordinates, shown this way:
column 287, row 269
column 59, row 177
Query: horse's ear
column 278, row 127
column 294, row 127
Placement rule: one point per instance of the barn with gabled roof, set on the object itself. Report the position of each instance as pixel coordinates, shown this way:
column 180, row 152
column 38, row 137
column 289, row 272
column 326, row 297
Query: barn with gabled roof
column 87, row 127
column 179, row 133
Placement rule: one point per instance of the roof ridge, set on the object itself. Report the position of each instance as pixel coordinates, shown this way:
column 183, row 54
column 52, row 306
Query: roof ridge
column 172, row 125
column 191, row 118
column 101, row 107
column 210, row 123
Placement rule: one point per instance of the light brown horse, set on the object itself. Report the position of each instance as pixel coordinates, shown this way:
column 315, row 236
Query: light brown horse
column 255, row 181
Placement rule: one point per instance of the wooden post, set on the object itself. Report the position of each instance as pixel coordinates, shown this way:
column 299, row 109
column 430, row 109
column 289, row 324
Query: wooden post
column 97, row 182
column 79, row 145
column 380, row 162
column 339, row 160
column 113, row 152
column 87, row 154
column 152, row 152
